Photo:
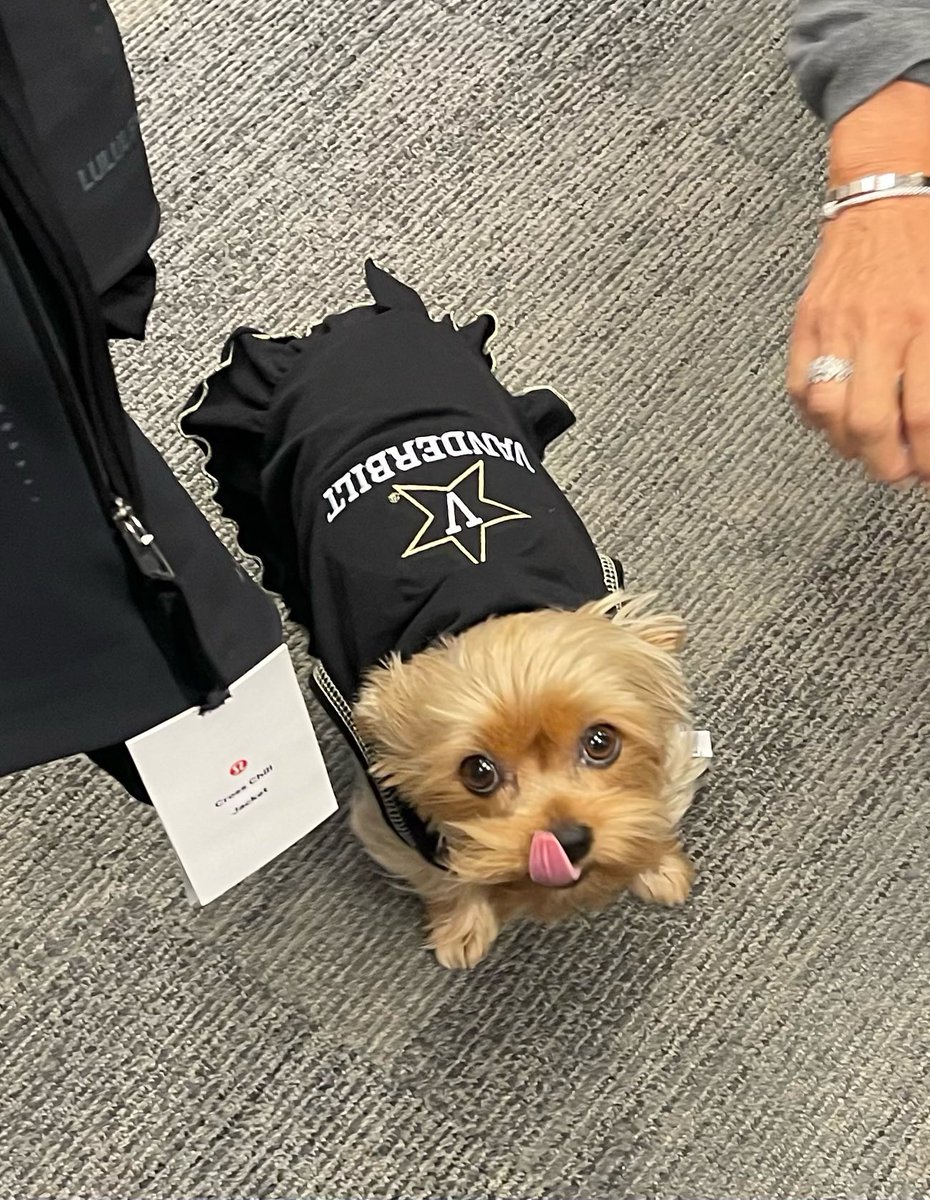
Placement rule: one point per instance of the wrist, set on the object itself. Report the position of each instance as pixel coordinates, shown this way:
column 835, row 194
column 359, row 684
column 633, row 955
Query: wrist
column 888, row 132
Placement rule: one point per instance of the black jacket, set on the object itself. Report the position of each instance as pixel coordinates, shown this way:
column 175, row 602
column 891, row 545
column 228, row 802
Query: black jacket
column 392, row 487
column 104, row 632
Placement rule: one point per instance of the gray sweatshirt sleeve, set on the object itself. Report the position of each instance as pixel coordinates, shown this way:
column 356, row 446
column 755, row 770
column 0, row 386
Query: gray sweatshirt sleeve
column 844, row 51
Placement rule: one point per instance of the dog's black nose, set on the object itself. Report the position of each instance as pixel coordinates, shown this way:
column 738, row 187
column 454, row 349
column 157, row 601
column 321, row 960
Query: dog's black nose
column 575, row 840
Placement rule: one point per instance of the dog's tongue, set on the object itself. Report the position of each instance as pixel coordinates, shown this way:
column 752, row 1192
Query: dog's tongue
column 549, row 864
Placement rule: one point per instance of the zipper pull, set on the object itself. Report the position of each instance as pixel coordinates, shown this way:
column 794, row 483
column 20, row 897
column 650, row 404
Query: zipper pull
column 148, row 557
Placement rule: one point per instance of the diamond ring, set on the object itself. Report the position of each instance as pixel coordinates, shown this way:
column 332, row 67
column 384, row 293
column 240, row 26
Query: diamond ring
column 829, row 369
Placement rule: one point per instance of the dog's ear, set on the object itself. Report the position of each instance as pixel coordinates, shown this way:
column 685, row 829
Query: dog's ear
column 665, row 631
column 382, row 694
column 635, row 614
column 655, row 665
column 390, row 711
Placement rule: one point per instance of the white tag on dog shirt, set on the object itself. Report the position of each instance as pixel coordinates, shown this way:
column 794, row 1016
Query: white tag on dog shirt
column 702, row 745
column 235, row 787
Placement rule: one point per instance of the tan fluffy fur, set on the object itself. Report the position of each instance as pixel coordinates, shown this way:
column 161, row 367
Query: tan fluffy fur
column 522, row 689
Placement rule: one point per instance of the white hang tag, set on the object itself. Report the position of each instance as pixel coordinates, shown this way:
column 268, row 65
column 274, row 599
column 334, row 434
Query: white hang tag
column 702, row 746
column 235, row 787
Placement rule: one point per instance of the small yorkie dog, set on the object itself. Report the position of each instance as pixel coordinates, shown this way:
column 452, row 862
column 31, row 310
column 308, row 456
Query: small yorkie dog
column 522, row 728
column 547, row 749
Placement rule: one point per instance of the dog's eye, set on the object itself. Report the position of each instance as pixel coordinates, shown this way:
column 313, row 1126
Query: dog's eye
column 480, row 775
column 600, row 745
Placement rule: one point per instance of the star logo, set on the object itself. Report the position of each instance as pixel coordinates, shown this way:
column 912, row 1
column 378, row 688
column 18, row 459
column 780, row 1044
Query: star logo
column 458, row 514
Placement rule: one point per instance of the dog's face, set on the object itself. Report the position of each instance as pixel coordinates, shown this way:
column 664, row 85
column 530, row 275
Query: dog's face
column 536, row 745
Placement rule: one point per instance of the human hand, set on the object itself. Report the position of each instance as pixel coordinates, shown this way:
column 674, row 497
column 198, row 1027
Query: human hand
column 868, row 296
column 868, row 301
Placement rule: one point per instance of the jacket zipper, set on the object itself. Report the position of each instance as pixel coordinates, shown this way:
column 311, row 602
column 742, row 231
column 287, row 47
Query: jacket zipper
column 120, row 511
column 100, row 429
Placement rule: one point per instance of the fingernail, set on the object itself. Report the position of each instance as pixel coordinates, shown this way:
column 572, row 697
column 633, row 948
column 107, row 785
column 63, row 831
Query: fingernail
column 904, row 485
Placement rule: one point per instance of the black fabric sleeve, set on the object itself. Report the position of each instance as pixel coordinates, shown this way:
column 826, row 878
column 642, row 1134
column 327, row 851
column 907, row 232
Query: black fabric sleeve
column 545, row 415
column 127, row 304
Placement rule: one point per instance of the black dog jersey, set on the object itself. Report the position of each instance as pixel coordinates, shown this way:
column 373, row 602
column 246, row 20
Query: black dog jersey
column 391, row 487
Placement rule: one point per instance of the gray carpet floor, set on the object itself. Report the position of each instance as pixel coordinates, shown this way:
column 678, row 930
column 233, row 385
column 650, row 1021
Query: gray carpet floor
column 631, row 185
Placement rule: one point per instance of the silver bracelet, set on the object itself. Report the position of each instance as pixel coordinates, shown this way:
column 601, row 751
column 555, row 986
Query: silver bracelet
column 874, row 187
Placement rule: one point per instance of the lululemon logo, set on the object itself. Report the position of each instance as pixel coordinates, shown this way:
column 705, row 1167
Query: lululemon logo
column 109, row 157
column 238, row 767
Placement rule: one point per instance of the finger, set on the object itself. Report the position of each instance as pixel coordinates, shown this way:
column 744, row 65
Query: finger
column 801, row 352
column 820, row 406
column 827, row 409
column 874, row 420
column 827, row 403
column 916, row 404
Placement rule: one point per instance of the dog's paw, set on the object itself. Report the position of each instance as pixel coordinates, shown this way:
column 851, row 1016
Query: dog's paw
column 668, row 883
column 462, row 933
